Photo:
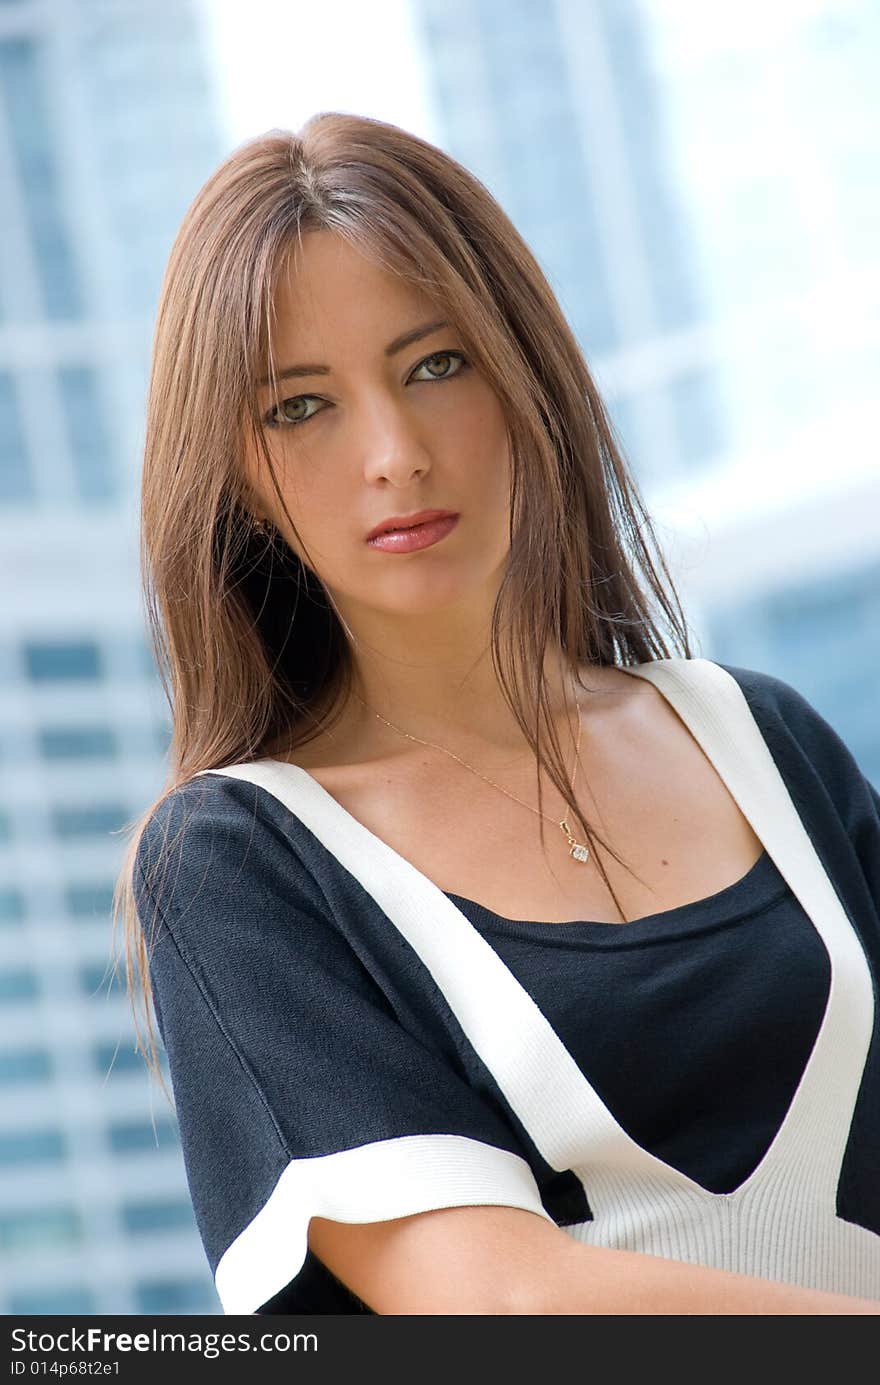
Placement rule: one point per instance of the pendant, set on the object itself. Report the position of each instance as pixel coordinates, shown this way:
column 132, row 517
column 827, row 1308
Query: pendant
column 578, row 850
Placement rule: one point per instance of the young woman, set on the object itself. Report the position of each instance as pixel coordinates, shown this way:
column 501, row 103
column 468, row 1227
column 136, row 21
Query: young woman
column 508, row 958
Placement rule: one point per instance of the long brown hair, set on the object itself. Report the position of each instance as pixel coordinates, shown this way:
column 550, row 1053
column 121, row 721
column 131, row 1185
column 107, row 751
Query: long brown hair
column 250, row 651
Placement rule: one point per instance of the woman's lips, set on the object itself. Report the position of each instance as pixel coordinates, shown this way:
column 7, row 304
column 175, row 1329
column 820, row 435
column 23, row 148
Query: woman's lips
column 420, row 536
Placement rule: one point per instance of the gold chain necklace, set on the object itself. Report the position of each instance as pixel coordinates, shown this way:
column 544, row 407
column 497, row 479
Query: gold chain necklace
column 577, row 849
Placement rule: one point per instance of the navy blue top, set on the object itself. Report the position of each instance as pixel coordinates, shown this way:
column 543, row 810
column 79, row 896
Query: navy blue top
column 299, row 1023
column 711, row 1007
column 708, row 1009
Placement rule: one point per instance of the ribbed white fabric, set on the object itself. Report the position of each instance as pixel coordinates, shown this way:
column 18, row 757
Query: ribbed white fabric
column 373, row 1182
column 780, row 1223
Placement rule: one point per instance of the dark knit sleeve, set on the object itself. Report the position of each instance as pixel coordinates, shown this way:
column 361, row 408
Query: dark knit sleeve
column 298, row 1092
column 821, row 772
column 867, row 841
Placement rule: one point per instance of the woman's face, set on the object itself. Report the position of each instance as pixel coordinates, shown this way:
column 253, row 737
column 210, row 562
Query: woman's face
column 371, row 425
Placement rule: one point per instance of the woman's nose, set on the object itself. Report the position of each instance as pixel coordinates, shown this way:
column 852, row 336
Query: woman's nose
column 389, row 443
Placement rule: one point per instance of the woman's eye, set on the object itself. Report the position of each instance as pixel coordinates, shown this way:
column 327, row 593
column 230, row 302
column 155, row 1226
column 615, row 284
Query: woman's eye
column 443, row 357
column 290, row 414
column 287, row 410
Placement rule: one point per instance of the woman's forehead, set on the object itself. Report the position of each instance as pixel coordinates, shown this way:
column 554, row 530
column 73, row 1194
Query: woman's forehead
column 336, row 297
column 323, row 259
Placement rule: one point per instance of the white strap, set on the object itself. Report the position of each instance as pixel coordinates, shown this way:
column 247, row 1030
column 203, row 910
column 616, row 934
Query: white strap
column 564, row 1116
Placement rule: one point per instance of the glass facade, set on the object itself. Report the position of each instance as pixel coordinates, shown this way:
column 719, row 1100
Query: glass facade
column 694, row 181
column 558, row 110
column 24, row 90
column 98, row 161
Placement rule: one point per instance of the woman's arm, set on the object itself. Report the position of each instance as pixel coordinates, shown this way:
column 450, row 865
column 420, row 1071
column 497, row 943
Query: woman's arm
column 504, row 1260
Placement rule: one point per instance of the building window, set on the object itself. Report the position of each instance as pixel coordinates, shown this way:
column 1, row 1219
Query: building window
column 140, row 1218
column 92, row 902
column 698, row 415
column 34, row 146
column 18, row 983
column 12, row 908
column 24, row 1065
column 87, row 820
column 58, row 1298
column 32, row 1147
column 40, row 1226
column 89, row 445
column 61, row 661
column 176, row 1296
column 97, row 980
column 145, row 659
column 140, row 1137
column 118, row 1057
column 77, row 743
column 16, row 482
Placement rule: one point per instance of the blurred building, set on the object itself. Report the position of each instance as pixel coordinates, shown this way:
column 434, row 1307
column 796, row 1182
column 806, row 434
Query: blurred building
column 106, row 130
column 773, row 125
column 697, row 184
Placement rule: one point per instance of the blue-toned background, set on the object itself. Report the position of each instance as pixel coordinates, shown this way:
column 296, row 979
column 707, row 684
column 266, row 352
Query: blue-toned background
column 699, row 183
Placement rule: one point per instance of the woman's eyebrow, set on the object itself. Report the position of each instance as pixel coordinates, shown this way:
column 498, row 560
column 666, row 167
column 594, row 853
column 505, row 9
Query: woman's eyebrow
column 398, row 344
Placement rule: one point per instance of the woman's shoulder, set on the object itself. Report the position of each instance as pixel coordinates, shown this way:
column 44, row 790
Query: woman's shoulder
column 230, row 796
column 785, row 711
column 193, row 811
column 772, row 699
column 816, row 761
column 217, row 840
